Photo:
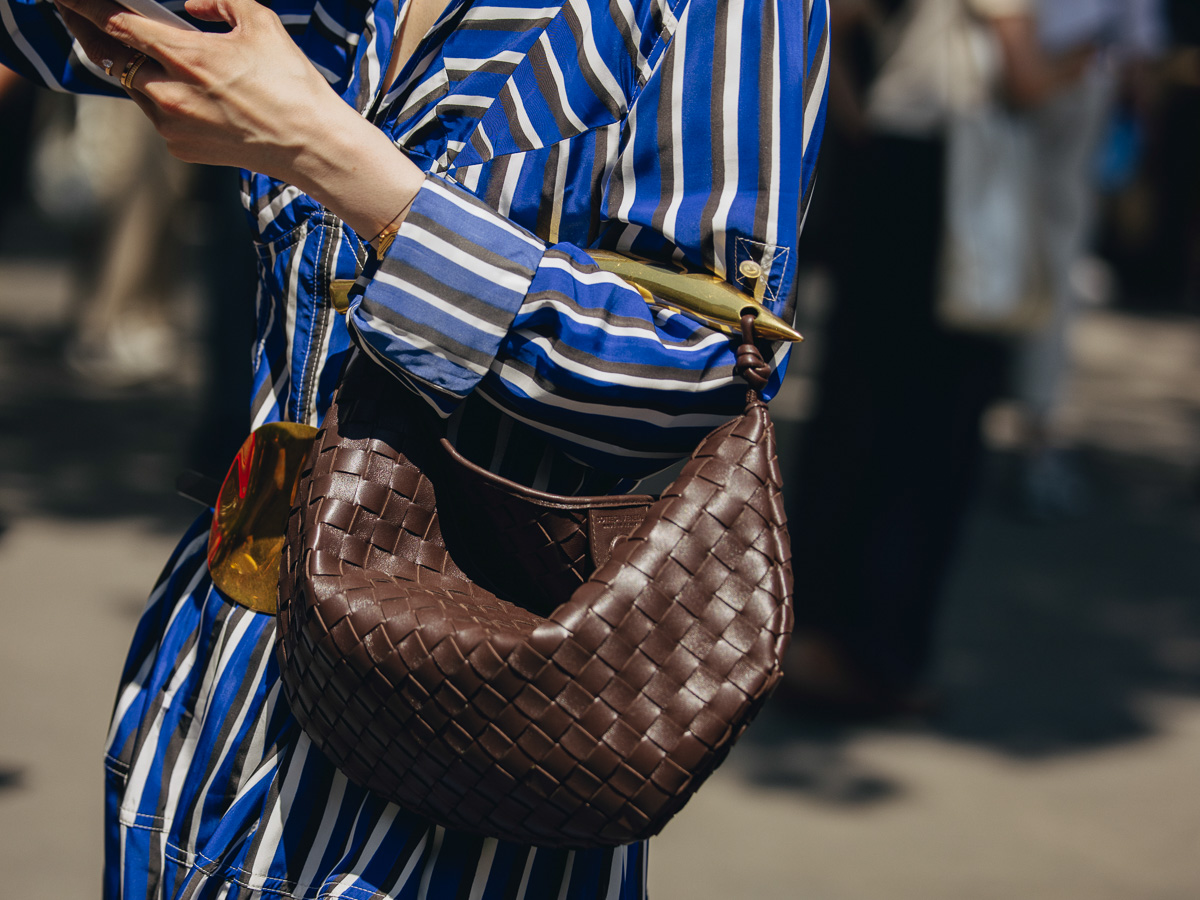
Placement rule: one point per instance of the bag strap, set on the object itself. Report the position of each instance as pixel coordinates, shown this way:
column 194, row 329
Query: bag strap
column 750, row 364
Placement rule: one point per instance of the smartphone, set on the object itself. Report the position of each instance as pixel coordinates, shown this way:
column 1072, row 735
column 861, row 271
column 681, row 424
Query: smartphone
column 152, row 10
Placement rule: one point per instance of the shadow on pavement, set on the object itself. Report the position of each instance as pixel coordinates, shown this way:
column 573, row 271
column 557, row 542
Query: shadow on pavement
column 74, row 450
column 1053, row 636
column 11, row 779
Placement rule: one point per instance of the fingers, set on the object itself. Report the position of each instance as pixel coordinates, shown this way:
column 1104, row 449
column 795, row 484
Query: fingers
column 132, row 67
column 124, row 27
column 205, row 10
column 106, row 52
column 233, row 12
column 145, row 104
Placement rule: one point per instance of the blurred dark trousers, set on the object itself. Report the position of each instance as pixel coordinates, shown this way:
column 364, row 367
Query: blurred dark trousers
column 890, row 459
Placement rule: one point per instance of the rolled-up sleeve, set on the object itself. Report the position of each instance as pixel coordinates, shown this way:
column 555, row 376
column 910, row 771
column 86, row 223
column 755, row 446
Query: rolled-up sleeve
column 444, row 297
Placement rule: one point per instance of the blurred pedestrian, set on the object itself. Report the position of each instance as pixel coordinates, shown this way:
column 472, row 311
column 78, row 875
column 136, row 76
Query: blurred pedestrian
column 1153, row 225
column 890, row 457
column 98, row 173
column 1126, row 36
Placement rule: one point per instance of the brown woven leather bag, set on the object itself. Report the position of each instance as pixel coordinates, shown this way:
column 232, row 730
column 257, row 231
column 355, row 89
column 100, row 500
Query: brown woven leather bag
column 585, row 707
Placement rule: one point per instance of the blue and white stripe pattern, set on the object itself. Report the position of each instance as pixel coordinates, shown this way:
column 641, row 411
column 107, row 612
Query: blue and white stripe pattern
column 681, row 130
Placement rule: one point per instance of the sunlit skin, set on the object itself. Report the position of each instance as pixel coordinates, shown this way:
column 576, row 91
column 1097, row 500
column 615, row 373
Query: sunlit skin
column 249, row 98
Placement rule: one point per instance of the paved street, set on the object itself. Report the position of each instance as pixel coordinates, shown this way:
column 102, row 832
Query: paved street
column 1065, row 766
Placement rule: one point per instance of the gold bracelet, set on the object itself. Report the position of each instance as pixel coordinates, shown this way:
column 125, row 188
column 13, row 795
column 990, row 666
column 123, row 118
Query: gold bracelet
column 384, row 239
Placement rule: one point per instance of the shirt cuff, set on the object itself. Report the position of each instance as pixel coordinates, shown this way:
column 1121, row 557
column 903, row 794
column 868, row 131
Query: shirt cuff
column 445, row 294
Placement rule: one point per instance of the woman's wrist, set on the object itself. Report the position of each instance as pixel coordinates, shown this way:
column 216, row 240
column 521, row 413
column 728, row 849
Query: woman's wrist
column 355, row 171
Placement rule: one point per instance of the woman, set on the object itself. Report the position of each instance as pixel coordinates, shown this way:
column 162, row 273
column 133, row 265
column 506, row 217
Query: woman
column 479, row 147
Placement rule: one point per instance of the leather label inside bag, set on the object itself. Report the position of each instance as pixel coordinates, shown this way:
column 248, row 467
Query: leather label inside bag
column 605, row 526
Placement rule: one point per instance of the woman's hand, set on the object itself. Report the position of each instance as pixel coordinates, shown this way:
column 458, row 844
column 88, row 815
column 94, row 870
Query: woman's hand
column 250, row 98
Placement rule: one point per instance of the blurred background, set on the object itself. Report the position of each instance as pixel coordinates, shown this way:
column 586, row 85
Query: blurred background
column 991, row 443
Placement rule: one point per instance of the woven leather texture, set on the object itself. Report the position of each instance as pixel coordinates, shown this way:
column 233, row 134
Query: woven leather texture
column 589, row 726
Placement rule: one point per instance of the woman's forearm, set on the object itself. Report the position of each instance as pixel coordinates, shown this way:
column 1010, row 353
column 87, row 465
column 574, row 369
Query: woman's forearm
column 352, row 169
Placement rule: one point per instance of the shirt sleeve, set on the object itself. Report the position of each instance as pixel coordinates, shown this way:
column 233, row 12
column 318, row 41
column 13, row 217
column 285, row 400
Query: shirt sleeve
column 715, row 168
column 35, row 43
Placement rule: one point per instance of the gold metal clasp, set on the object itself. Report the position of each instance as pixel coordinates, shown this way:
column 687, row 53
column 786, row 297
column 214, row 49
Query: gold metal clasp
column 699, row 294
column 249, row 523
column 339, row 294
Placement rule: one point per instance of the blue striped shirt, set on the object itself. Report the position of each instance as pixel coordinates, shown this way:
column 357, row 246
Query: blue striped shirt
column 682, row 130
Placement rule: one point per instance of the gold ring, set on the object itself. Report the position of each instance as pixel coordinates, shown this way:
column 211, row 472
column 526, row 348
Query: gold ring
column 108, row 64
column 131, row 67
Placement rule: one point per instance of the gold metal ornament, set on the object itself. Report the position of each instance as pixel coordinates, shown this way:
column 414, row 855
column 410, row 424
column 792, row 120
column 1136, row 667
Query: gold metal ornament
column 339, row 294
column 698, row 294
column 249, row 521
